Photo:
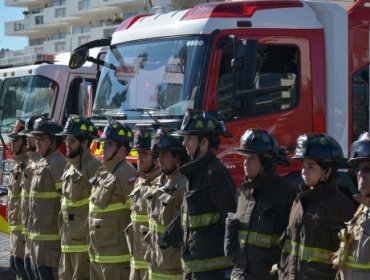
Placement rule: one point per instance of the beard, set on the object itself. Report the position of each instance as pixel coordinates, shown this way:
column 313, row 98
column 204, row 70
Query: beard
column 73, row 154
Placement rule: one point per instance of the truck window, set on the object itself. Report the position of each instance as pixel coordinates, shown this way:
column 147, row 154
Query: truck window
column 360, row 102
column 22, row 97
column 161, row 75
column 275, row 86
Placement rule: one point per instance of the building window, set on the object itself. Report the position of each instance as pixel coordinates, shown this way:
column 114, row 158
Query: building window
column 39, row 20
column 60, row 46
column 81, row 29
column 56, row 3
column 18, row 26
column 58, row 35
column 39, row 50
column 37, row 41
column 83, row 5
column 83, row 40
column 60, row 12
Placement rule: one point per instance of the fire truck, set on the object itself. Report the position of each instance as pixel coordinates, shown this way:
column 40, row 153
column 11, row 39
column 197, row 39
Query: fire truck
column 287, row 66
column 45, row 85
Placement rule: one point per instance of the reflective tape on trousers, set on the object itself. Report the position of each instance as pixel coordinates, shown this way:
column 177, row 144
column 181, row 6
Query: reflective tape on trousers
column 307, row 253
column 35, row 194
column 11, row 195
column 137, row 264
column 110, row 259
column 155, row 227
column 70, row 203
column 200, row 220
column 14, row 228
column 74, row 248
column 205, row 264
column 138, row 218
column 25, row 194
column 111, row 207
column 351, row 262
column 161, row 276
column 258, row 239
column 43, row 237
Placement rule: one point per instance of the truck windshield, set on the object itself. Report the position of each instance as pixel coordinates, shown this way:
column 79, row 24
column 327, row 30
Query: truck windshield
column 162, row 76
column 25, row 96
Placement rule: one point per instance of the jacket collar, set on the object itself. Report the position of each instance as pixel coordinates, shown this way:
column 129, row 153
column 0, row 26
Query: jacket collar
column 197, row 165
column 321, row 188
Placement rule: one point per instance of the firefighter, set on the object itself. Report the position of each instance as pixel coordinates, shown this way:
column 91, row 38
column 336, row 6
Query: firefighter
column 17, row 238
column 78, row 134
column 318, row 212
column 28, row 172
column 46, row 187
column 109, row 212
column 147, row 166
column 353, row 257
column 209, row 197
column 164, row 205
column 264, row 201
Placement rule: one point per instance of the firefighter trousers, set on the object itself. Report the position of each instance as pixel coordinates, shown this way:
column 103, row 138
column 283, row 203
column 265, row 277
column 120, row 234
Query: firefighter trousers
column 109, row 271
column 206, row 275
column 74, row 266
column 17, row 265
column 139, row 274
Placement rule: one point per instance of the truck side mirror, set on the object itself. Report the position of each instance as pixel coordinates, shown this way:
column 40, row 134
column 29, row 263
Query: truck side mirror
column 78, row 58
column 85, row 98
column 244, row 63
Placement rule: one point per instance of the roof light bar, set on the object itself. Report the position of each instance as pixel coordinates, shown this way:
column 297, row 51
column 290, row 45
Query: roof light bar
column 237, row 9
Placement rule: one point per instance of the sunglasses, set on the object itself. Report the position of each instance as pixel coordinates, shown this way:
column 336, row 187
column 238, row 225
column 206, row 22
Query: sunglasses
column 365, row 170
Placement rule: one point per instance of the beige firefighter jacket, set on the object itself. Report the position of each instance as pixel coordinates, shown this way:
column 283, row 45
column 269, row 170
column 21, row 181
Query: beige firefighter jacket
column 109, row 212
column 45, row 195
column 355, row 245
column 75, row 202
column 163, row 206
column 139, row 226
column 17, row 239
column 28, row 172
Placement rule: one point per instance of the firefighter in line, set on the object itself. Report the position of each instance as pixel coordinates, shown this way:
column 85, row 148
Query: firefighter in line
column 318, row 213
column 109, row 211
column 209, row 197
column 148, row 170
column 353, row 257
column 28, row 172
column 17, row 238
column 264, row 201
column 46, row 187
column 82, row 165
column 164, row 205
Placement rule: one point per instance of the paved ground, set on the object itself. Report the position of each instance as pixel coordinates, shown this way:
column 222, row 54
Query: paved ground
column 5, row 273
column 4, row 249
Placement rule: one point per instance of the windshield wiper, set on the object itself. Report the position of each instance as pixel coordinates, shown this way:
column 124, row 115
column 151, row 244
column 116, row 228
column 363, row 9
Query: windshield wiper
column 105, row 113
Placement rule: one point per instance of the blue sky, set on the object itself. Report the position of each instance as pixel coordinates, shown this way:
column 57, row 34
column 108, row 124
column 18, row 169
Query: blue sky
column 10, row 14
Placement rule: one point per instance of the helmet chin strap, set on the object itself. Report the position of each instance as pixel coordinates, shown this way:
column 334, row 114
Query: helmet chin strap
column 114, row 153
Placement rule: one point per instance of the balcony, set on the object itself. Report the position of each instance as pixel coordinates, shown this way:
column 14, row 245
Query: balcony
column 127, row 4
column 15, row 28
column 25, row 3
column 102, row 32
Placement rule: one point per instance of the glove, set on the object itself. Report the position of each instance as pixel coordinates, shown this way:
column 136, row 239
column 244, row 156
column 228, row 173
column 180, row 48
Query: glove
column 339, row 257
column 172, row 235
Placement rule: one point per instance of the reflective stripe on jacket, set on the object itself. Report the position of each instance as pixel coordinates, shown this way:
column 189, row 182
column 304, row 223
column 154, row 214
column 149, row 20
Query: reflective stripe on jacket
column 317, row 216
column 209, row 197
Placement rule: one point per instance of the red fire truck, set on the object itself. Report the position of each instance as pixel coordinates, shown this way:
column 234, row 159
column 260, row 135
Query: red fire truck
column 44, row 85
column 288, row 66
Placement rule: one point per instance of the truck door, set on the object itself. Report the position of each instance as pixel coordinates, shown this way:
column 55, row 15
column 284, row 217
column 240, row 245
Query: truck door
column 281, row 99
